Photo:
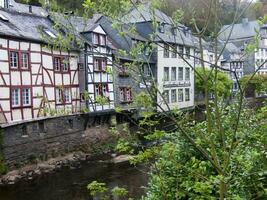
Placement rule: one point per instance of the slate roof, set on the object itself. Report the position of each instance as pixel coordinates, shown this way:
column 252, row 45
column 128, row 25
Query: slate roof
column 120, row 42
column 239, row 31
column 24, row 8
column 24, row 26
column 142, row 13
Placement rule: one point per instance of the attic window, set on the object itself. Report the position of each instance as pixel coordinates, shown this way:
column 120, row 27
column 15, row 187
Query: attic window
column 48, row 32
column 2, row 17
column 161, row 28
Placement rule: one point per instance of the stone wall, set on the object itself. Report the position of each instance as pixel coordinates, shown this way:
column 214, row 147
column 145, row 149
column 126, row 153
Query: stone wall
column 51, row 137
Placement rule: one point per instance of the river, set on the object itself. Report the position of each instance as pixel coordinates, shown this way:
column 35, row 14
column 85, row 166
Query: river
column 70, row 184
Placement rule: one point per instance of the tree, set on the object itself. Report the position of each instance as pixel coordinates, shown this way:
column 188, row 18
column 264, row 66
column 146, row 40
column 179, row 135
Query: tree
column 219, row 158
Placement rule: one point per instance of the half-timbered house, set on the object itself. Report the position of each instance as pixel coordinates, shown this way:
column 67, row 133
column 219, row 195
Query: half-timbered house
column 35, row 80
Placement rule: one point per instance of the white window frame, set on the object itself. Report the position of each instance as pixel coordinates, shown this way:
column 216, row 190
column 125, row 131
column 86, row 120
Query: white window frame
column 26, row 96
column 15, row 97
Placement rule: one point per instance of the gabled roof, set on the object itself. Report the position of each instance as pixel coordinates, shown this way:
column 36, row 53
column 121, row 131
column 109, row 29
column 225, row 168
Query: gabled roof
column 246, row 29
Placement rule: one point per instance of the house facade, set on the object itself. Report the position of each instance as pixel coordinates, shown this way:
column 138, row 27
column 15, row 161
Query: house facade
column 240, row 35
column 98, row 70
column 174, row 55
column 35, row 81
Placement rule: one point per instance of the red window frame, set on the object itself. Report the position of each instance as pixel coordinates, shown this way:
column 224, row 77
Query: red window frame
column 62, row 96
column 123, row 92
column 21, row 105
column 98, row 41
column 99, row 61
column 19, row 66
column 100, row 86
column 61, row 64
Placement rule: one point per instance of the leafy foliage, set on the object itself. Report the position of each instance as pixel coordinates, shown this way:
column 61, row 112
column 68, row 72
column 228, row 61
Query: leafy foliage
column 223, row 85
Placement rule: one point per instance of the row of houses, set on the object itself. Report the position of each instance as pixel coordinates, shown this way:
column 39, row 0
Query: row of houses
column 37, row 81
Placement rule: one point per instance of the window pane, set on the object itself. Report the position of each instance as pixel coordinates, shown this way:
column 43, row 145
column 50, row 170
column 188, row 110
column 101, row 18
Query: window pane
column 181, row 50
column 180, row 95
column 26, row 96
column 174, row 49
column 57, row 64
column 173, row 74
column 15, row 97
column 122, row 97
column 166, row 51
column 65, row 64
column 25, row 60
column 166, row 74
column 180, row 73
column 58, row 96
column 14, row 59
column 67, row 95
column 173, row 96
column 166, row 96
column 187, row 52
column 187, row 73
column 187, row 95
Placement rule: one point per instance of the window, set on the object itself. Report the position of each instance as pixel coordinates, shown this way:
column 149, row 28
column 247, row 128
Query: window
column 173, row 96
column 173, row 74
column 14, row 59
column 161, row 28
column 174, row 49
column 102, row 40
column 67, row 95
column 100, row 64
column 21, row 97
column 126, row 94
column 24, row 59
column 166, row 74
column 166, row 51
column 187, row 95
column 61, row 63
column 65, row 64
column 146, row 70
column 63, row 96
column 187, row 52
column 101, row 90
column 180, row 73
column 59, row 97
column 181, row 50
column 180, row 95
column 15, row 97
column 187, row 73
column 57, row 63
column 166, row 96
column 95, row 38
column 50, row 33
column 2, row 17
column 148, row 50
column 99, row 39
column 26, row 96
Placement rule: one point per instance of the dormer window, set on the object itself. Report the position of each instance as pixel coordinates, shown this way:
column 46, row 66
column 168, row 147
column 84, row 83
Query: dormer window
column 50, row 33
column 3, row 18
column 174, row 31
column 99, row 39
column 161, row 28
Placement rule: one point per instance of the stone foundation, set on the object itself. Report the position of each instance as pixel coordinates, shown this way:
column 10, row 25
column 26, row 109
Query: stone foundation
column 27, row 142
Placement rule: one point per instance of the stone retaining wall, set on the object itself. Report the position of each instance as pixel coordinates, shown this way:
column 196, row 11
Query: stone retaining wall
column 45, row 138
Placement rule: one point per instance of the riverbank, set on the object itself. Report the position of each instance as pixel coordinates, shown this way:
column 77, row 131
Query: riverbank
column 71, row 161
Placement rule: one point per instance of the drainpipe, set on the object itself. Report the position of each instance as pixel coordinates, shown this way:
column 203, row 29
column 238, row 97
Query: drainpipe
column 86, row 71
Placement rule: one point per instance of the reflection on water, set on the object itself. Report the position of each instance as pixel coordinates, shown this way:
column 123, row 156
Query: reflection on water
column 71, row 184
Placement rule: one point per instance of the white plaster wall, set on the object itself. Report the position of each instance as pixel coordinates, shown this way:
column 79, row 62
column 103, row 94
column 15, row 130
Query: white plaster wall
column 174, row 62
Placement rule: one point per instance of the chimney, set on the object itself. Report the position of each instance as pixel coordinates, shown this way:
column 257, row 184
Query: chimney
column 244, row 21
column 30, row 8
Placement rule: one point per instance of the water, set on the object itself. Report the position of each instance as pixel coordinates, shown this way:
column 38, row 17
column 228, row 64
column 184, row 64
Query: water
column 70, row 184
